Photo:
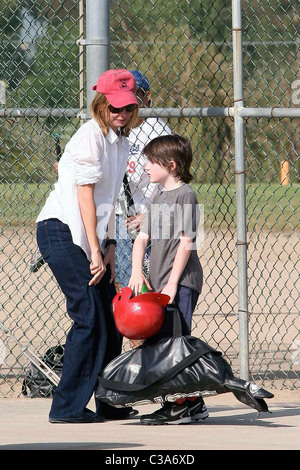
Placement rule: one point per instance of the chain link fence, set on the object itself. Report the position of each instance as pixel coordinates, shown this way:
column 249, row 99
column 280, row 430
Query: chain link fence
column 186, row 50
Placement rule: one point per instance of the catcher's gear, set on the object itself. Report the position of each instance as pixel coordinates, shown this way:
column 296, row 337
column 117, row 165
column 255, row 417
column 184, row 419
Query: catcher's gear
column 141, row 316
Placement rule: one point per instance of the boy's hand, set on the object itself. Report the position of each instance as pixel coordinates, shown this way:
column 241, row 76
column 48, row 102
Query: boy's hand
column 170, row 290
column 136, row 283
column 134, row 222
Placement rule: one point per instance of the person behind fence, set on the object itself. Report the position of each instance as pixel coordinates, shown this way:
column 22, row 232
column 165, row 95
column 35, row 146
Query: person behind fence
column 73, row 237
column 175, row 269
column 138, row 185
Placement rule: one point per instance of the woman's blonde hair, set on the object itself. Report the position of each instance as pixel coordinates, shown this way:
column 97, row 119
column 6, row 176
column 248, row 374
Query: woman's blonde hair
column 99, row 108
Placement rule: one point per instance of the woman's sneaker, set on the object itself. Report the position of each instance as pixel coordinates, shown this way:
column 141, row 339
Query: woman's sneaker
column 170, row 413
column 197, row 409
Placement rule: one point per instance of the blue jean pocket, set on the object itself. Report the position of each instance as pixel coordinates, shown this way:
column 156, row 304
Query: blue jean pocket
column 63, row 232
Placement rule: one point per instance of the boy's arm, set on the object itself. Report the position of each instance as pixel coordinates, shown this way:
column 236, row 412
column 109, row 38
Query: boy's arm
column 180, row 261
column 137, row 278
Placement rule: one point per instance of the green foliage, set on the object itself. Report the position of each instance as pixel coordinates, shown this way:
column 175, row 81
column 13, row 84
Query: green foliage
column 184, row 48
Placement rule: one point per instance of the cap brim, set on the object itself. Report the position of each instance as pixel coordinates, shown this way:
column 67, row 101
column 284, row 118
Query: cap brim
column 118, row 100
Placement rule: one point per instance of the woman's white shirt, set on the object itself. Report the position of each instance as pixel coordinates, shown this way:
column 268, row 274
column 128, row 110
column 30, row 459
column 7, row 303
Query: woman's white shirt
column 89, row 158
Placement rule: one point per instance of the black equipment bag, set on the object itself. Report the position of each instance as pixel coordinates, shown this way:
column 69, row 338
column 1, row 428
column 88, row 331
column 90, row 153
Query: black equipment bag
column 170, row 368
column 35, row 384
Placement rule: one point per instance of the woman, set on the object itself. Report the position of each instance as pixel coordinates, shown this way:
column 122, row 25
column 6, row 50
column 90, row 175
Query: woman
column 72, row 234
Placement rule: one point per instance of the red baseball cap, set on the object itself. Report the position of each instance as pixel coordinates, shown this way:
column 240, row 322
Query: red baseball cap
column 118, row 86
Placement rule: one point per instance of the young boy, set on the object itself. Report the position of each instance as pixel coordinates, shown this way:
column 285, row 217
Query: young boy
column 174, row 268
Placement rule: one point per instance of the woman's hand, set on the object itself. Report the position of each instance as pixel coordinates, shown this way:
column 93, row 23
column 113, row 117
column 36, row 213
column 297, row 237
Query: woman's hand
column 97, row 268
column 89, row 218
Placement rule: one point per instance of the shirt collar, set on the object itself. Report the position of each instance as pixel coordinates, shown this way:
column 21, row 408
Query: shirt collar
column 112, row 136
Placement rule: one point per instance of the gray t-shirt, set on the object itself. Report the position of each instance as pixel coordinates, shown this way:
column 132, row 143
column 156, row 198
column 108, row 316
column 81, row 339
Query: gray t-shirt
column 173, row 212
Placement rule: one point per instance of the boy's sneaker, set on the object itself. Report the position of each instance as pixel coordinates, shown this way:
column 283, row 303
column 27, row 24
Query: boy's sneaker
column 170, row 413
column 197, row 409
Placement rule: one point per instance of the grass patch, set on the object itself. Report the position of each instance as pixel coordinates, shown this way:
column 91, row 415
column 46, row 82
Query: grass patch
column 269, row 207
column 20, row 204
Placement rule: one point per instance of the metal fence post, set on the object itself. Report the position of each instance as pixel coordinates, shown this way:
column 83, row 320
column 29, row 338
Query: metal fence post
column 241, row 242
column 263, row 333
column 97, row 44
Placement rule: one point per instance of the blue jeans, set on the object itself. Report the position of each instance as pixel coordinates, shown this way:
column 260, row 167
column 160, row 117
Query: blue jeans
column 93, row 340
column 185, row 301
column 123, row 252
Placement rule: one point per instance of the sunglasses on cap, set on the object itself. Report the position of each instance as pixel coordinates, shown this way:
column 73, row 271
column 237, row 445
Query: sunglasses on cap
column 129, row 108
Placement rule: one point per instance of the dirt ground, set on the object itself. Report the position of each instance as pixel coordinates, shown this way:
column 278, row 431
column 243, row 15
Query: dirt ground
column 34, row 308
column 230, row 426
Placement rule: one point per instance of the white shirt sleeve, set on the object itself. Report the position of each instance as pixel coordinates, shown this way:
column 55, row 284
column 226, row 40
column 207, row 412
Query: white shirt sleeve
column 87, row 159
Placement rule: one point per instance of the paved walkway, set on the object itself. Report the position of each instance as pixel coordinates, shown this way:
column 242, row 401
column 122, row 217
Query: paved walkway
column 231, row 425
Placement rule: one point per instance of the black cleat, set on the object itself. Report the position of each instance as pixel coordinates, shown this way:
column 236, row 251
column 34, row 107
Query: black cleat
column 197, row 409
column 170, row 413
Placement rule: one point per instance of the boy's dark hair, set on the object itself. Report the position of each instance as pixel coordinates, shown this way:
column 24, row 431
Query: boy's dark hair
column 165, row 148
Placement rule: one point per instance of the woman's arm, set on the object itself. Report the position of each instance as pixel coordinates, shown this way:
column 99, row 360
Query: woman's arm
column 88, row 214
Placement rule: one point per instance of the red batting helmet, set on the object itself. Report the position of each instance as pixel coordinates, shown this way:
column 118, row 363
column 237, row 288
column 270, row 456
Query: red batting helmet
column 141, row 316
